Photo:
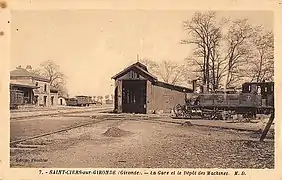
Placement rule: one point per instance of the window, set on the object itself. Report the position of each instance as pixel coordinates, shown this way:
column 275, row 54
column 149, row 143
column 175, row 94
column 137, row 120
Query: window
column 272, row 88
column 45, row 87
column 259, row 90
column 133, row 75
column 52, row 100
column 130, row 74
column 36, row 84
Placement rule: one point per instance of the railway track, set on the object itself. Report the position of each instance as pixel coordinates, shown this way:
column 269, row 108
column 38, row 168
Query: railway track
column 92, row 120
column 33, row 109
column 14, row 143
column 58, row 112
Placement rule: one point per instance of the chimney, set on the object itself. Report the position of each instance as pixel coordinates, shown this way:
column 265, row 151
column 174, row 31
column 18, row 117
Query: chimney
column 28, row 68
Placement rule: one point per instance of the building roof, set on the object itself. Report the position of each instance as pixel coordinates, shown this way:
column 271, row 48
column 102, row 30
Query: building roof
column 173, row 87
column 21, row 72
column 24, row 85
column 139, row 66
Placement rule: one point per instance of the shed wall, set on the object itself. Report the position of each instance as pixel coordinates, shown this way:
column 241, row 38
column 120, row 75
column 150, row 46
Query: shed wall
column 163, row 99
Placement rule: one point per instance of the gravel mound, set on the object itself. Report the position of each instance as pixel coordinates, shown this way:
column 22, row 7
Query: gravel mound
column 187, row 123
column 116, row 132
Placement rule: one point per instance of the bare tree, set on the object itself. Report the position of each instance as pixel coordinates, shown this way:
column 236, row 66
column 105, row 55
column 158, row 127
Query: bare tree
column 36, row 71
column 171, row 72
column 62, row 89
column 168, row 71
column 205, row 34
column 152, row 66
column 216, row 66
column 226, row 58
column 262, row 63
column 51, row 70
column 238, row 51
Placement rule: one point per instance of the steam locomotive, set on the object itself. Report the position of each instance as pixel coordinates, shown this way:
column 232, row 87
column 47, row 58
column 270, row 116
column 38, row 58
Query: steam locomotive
column 254, row 98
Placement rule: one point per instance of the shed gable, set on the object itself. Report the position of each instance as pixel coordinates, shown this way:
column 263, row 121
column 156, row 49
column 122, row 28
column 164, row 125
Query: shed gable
column 132, row 75
column 135, row 71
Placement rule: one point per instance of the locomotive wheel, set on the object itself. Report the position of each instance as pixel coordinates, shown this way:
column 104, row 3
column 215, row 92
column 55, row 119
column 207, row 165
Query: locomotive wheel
column 187, row 113
column 213, row 115
column 178, row 110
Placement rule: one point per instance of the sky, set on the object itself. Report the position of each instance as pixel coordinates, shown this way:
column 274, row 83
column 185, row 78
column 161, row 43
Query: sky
column 91, row 46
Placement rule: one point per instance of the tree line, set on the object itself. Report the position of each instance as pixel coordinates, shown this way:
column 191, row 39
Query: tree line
column 225, row 53
column 100, row 98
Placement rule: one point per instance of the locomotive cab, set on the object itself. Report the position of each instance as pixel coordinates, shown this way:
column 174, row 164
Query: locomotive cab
column 265, row 90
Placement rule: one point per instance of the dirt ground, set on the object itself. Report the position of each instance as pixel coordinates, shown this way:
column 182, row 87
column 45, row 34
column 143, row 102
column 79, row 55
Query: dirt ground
column 145, row 144
column 21, row 129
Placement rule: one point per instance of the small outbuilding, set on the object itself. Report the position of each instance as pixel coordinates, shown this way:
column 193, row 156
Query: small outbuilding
column 138, row 91
column 62, row 101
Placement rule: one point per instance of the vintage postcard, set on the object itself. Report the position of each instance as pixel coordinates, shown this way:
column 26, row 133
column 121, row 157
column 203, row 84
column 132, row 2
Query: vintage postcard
column 153, row 89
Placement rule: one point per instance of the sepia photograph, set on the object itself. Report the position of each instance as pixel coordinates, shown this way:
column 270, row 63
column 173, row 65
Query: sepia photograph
column 142, row 89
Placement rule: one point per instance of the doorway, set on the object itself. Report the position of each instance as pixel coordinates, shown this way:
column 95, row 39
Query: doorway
column 36, row 102
column 134, row 96
column 61, row 101
column 45, row 100
column 52, row 100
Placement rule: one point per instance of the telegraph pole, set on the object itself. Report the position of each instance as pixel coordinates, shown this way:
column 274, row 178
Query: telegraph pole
column 267, row 127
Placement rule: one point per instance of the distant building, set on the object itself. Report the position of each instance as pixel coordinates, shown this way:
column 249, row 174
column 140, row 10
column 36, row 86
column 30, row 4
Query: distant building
column 138, row 91
column 35, row 89
column 62, row 101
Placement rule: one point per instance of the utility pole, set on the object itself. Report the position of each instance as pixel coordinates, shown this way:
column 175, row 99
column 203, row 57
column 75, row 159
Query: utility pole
column 267, row 127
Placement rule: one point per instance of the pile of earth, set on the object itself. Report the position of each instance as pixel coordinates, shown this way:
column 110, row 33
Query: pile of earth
column 187, row 123
column 116, row 132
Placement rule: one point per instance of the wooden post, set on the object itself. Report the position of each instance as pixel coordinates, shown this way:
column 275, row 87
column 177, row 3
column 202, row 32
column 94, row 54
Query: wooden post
column 148, row 97
column 267, row 127
column 119, row 85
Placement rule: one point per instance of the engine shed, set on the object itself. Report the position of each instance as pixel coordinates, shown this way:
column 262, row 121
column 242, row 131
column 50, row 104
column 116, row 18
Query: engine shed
column 139, row 91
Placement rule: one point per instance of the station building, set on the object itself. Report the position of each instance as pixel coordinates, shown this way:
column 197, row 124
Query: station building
column 139, row 91
column 32, row 89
